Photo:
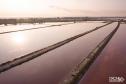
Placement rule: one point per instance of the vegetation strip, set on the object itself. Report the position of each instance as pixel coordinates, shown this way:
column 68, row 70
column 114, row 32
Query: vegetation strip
column 79, row 70
column 14, row 21
column 10, row 64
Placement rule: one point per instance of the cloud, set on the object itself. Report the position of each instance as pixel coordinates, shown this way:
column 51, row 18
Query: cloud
column 82, row 12
column 61, row 8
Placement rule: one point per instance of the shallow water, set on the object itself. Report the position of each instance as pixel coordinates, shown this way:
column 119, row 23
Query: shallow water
column 13, row 45
column 54, row 66
column 111, row 62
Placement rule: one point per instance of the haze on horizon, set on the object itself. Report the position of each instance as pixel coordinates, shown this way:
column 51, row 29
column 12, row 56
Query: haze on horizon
column 61, row 8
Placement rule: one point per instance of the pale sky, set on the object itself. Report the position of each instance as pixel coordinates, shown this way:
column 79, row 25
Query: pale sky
column 59, row 8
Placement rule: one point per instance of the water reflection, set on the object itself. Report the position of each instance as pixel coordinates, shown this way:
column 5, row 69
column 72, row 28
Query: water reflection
column 110, row 63
column 53, row 66
column 18, row 38
column 21, row 43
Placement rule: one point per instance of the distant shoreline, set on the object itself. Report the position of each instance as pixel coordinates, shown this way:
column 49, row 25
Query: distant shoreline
column 14, row 21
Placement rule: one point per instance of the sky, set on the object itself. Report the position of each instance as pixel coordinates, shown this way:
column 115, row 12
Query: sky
column 61, row 8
